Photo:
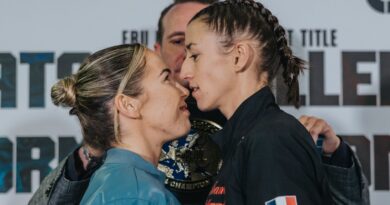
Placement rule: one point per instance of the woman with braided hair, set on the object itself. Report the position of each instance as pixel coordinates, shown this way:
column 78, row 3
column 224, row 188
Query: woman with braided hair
column 234, row 49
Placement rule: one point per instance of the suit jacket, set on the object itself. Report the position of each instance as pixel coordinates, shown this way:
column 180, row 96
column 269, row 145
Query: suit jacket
column 57, row 189
column 348, row 185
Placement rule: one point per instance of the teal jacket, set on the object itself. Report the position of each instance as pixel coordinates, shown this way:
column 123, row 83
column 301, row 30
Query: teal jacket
column 126, row 178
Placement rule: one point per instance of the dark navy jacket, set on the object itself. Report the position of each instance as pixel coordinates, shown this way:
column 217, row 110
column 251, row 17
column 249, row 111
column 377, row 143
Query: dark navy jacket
column 268, row 154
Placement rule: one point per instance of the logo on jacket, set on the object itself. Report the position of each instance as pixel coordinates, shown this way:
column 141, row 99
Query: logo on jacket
column 283, row 200
column 191, row 162
column 381, row 6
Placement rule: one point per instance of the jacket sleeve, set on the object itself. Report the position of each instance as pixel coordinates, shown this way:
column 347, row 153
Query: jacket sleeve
column 57, row 189
column 42, row 195
column 348, row 185
column 68, row 192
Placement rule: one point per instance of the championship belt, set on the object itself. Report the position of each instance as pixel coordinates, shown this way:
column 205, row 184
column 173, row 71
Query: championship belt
column 191, row 162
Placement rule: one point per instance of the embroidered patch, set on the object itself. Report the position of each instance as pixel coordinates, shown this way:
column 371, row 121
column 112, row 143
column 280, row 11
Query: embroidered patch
column 283, row 200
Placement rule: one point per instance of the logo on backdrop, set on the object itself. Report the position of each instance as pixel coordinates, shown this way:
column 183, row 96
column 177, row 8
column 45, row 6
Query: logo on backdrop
column 381, row 6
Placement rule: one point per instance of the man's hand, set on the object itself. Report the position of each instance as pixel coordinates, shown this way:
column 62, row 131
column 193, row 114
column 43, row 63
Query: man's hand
column 316, row 127
column 92, row 152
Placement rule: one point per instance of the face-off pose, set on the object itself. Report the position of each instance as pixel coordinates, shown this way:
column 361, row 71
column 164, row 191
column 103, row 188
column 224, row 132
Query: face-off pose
column 67, row 183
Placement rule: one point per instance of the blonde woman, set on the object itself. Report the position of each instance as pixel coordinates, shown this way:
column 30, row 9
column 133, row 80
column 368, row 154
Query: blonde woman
column 128, row 105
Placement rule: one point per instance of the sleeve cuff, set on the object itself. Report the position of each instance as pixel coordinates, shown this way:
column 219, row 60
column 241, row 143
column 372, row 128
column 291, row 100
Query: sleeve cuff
column 342, row 157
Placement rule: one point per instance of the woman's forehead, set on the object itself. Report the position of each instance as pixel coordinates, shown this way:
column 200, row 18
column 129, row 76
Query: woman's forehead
column 154, row 63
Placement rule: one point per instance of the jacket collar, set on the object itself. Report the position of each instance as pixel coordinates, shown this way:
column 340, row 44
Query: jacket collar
column 127, row 157
column 244, row 118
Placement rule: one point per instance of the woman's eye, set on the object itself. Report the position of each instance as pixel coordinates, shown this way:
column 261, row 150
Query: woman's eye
column 194, row 57
column 167, row 77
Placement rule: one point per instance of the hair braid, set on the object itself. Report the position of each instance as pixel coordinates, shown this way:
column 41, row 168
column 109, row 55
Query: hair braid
column 292, row 64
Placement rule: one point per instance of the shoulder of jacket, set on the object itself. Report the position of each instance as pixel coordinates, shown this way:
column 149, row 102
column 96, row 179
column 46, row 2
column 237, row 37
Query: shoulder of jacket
column 42, row 195
column 274, row 128
column 116, row 182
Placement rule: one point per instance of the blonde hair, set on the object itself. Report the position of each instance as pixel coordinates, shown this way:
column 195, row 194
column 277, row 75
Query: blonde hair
column 90, row 91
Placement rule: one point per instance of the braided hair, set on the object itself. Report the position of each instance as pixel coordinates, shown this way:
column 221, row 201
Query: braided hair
column 236, row 18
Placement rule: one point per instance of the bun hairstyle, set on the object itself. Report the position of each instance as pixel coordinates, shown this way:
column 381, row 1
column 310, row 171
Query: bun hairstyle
column 237, row 19
column 64, row 93
column 90, row 92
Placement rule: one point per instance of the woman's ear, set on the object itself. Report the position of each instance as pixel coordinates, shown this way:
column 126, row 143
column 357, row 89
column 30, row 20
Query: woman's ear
column 128, row 106
column 243, row 54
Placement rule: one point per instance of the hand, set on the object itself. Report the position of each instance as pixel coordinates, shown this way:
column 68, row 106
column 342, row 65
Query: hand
column 91, row 151
column 316, row 126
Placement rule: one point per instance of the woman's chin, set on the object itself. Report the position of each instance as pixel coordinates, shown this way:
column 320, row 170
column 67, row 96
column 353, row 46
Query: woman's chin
column 184, row 130
column 204, row 107
column 201, row 106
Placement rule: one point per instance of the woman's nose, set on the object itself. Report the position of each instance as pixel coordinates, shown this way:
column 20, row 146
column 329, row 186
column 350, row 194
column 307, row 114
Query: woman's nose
column 183, row 90
column 186, row 73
